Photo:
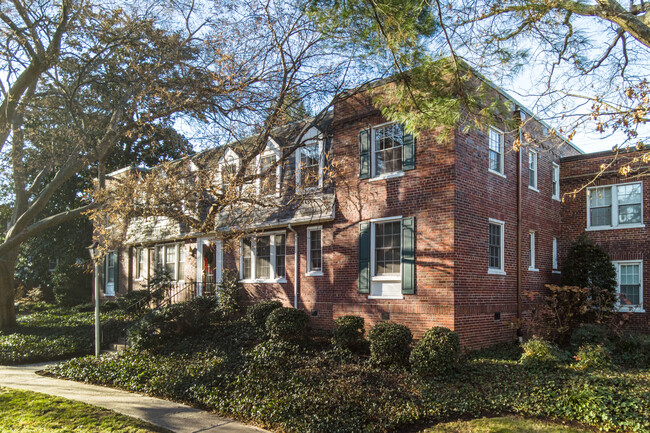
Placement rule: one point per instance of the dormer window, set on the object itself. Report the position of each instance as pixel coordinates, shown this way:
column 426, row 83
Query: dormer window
column 228, row 168
column 309, row 162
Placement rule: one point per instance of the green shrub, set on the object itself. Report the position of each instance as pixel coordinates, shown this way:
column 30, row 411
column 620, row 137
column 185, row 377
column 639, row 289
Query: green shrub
column 273, row 355
column 258, row 313
column 589, row 333
column 287, row 323
column 632, row 349
column 348, row 332
column 593, row 357
column 71, row 285
column 539, row 354
column 228, row 293
column 588, row 265
column 436, row 353
column 389, row 344
column 160, row 326
column 136, row 302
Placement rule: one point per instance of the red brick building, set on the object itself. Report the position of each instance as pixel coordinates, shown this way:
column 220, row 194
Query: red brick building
column 424, row 231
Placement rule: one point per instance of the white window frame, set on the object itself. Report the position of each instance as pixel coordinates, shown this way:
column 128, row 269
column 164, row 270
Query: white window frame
column 311, row 138
column 272, row 148
column 534, row 171
column 556, row 269
column 614, row 217
column 501, row 270
column 163, row 261
column 229, row 157
column 310, row 232
column 555, row 180
column 373, row 260
column 139, row 267
column 502, row 146
column 272, row 277
column 373, row 158
column 629, row 308
column 532, row 246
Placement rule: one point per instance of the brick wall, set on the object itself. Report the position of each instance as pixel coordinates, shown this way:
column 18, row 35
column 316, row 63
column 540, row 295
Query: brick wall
column 621, row 244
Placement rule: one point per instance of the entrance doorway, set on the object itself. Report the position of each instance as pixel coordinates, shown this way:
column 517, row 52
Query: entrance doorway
column 209, row 265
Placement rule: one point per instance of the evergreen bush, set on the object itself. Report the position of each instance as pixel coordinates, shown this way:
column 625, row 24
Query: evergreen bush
column 287, row 323
column 389, row 344
column 349, row 331
column 436, row 353
column 258, row 313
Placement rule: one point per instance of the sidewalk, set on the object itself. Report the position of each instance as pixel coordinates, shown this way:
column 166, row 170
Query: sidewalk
column 172, row 416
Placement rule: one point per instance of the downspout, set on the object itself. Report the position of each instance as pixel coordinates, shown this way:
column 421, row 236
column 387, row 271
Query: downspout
column 519, row 234
column 296, row 259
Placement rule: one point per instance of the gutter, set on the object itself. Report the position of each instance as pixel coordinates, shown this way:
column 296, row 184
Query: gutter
column 296, row 259
column 519, row 234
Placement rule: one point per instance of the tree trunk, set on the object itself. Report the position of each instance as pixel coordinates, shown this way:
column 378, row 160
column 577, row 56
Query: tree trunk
column 7, row 311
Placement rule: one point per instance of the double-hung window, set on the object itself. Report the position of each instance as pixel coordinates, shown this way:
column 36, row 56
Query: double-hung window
column 630, row 285
column 555, row 185
column 495, row 151
column 309, row 171
column 532, row 170
column 263, row 258
column 615, row 206
column 495, row 247
column 314, row 251
column 387, row 149
column 531, row 251
column 170, row 259
column 139, row 263
column 268, row 174
column 555, row 262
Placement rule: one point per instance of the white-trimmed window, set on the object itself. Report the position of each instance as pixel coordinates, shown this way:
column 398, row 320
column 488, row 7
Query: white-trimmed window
column 228, row 167
column 496, row 247
column 630, row 285
column 262, row 258
column 386, row 258
column 615, row 206
column 532, row 170
column 269, row 174
column 315, row 250
column 139, row 263
column 495, row 151
column 171, row 258
column 555, row 182
column 387, row 141
column 531, row 251
column 555, row 262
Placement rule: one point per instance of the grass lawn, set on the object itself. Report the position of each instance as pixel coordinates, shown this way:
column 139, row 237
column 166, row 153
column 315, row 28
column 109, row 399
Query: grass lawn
column 508, row 424
column 48, row 332
column 25, row 411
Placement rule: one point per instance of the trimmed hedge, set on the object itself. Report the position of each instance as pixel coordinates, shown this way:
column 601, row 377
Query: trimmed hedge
column 287, row 323
column 258, row 313
column 389, row 344
column 539, row 354
column 349, row 331
column 437, row 353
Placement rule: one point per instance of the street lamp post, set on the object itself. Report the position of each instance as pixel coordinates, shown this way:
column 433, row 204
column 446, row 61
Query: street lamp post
column 93, row 255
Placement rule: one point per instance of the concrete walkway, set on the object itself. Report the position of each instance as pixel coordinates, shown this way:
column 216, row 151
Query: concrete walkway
column 172, row 416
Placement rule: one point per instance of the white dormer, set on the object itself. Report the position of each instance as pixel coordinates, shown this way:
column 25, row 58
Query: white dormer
column 228, row 166
column 269, row 184
column 310, row 160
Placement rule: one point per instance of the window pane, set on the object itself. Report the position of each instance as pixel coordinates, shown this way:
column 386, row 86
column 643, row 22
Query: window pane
column 110, row 268
column 315, row 250
column 268, row 174
column 601, row 216
column 247, row 255
column 630, row 284
column 629, row 214
column 629, row 194
column 309, row 165
column 600, row 197
column 495, row 246
column 170, row 260
column 495, row 150
column 263, row 258
column 228, row 171
column 388, row 148
column 181, row 262
column 532, row 169
column 280, row 254
column 387, row 248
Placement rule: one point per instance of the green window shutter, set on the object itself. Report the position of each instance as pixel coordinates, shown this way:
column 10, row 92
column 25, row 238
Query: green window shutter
column 408, row 152
column 116, row 270
column 364, row 257
column 364, row 153
column 102, row 276
column 408, row 256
